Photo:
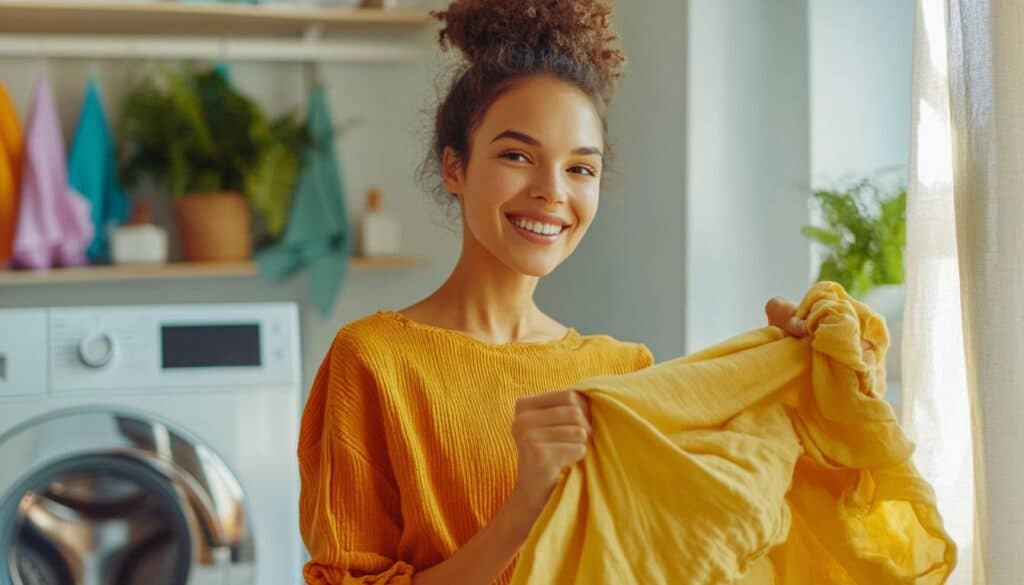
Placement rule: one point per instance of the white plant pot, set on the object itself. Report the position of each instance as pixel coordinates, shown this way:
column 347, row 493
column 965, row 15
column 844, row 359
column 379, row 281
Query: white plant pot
column 138, row 244
column 401, row 4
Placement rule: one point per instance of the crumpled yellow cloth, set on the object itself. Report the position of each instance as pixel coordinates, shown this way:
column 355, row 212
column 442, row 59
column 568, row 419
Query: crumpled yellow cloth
column 764, row 459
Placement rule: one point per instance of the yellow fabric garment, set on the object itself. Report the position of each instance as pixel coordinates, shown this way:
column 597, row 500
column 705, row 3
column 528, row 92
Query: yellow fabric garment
column 764, row 459
column 11, row 148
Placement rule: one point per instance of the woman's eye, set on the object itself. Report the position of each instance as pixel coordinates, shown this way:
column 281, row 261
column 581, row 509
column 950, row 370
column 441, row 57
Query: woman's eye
column 513, row 155
column 586, row 170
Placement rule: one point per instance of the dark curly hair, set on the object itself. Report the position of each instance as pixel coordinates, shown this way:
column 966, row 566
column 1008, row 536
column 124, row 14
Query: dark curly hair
column 505, row 41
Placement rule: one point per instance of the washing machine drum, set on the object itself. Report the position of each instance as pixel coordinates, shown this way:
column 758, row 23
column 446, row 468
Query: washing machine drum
column 114, row 498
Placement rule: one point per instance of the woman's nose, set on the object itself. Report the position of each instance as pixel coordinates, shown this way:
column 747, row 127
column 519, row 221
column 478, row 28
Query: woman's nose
column 548, row 185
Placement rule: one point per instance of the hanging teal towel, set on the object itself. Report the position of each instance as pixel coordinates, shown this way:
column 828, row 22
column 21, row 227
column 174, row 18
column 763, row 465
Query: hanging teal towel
column 224, row 70
column 92, row 172
column 317, row 235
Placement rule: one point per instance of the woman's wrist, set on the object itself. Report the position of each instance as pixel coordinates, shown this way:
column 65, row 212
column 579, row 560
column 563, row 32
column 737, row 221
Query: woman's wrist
column 516, row 518
column 485, row 556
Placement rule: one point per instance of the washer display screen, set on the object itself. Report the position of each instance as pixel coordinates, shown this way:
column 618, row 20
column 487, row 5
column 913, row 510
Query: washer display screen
column 208, row 346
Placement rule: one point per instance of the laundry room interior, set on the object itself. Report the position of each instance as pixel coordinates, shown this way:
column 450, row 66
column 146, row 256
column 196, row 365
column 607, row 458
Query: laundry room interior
column 136, row 326
column 381, row 107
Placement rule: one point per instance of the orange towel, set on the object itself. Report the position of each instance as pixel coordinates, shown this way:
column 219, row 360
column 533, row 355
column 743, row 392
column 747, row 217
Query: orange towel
column 11, row 154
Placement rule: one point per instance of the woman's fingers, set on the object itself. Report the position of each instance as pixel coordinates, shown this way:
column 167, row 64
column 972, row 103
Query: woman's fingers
column 564, row 454
column 782, row 314
column 551, row 417
column 567, row 434
column 584, row 403
column 549, row 399
column 778, row 311
column 552, row 432
column 562, row 403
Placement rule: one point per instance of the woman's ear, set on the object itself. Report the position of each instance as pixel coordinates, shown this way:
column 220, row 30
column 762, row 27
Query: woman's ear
column 452, row 171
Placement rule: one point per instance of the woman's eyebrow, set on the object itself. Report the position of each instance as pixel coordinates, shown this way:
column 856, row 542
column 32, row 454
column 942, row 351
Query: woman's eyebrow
column 514, row 135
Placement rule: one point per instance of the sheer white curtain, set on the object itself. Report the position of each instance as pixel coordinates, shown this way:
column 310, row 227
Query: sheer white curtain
column 963, row 336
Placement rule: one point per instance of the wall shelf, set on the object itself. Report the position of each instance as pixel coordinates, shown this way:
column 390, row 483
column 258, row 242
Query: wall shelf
column 179, row 270
column 173, row 18
column 90, row 29
column 97, row 29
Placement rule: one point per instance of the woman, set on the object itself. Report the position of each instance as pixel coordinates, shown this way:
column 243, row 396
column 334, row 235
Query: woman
column 433, row 435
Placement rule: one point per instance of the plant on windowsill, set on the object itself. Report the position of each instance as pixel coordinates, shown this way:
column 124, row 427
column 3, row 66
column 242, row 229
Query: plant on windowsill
column 216, row 154
column 864, row 236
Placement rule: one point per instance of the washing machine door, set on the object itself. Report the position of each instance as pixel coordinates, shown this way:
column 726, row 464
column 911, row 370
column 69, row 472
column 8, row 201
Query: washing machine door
column 106, row 497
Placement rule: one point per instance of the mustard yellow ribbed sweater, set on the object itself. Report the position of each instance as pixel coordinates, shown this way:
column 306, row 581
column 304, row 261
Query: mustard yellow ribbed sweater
column 405, row 450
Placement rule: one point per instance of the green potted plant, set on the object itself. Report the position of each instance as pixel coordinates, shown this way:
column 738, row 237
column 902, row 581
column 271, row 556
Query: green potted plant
column 217, row 155
column 864, row 235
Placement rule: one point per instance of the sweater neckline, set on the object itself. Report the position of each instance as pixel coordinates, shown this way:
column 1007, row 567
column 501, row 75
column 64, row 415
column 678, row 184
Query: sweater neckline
column 568, row 339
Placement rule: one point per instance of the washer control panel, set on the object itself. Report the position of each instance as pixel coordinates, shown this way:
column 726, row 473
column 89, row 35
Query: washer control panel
column 138, row 348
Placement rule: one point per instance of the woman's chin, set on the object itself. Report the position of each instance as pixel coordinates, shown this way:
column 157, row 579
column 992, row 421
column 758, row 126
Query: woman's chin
column 537, row 266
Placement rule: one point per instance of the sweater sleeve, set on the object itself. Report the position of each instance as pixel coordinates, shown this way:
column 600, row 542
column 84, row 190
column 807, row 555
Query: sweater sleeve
column 349, row 507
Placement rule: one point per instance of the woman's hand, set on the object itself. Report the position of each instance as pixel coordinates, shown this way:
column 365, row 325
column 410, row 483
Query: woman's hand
column 551, row 431
column 782, row 314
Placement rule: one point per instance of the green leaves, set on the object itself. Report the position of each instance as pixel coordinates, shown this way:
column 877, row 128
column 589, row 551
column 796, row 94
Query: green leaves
column 195, row 133
column 273, row 176
column 270, row 183
column 864, row 234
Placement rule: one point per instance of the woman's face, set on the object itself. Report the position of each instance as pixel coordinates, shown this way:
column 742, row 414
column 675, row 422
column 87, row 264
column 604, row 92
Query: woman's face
column 531, row 187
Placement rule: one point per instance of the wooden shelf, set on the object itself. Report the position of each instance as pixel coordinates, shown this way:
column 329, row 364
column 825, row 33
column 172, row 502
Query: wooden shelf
column 95, row 29
column 92, row 17
column 179, row 270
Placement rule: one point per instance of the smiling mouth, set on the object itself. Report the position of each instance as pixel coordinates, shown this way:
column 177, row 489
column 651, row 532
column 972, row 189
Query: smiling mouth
column 538, row 228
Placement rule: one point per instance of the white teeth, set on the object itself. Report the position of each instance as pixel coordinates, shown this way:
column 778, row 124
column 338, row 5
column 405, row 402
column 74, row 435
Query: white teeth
column 546, row 229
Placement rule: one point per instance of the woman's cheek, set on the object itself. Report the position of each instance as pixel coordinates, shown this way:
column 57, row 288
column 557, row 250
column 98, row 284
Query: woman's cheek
column 587, row 203
column 505, row 183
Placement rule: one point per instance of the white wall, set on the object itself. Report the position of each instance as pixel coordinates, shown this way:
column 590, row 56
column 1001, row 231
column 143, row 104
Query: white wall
column 627, row 276
column 747, row 160
column 860, row 59
column 860, row 65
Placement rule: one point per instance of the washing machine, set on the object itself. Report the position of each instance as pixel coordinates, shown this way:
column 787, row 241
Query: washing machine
column 150, row 445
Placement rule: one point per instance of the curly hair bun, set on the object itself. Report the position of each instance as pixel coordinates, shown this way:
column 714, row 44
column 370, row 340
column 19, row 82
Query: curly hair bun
column 580, row 29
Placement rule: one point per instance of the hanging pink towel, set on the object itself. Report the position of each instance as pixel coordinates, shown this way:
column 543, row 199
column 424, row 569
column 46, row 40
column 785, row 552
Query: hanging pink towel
column 54, row 226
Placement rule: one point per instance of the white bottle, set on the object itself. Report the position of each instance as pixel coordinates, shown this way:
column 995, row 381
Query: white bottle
column 378, row 228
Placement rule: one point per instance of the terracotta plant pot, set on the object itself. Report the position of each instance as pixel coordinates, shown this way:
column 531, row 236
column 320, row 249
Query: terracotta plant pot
column 214, row 227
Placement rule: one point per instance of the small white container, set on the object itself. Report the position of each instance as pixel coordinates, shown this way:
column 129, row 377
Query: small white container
column 401, row 4
column 138, row 244
column 378, row 229
column 347, row 4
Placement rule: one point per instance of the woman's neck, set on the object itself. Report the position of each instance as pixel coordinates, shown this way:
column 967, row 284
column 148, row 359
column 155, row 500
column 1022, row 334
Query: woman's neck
column 489, row 301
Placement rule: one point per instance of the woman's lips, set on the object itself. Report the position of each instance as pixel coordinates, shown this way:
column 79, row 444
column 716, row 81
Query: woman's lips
column 533, row 236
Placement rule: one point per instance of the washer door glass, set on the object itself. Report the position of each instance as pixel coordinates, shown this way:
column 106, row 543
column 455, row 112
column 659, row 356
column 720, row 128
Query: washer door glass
column 97, row 520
